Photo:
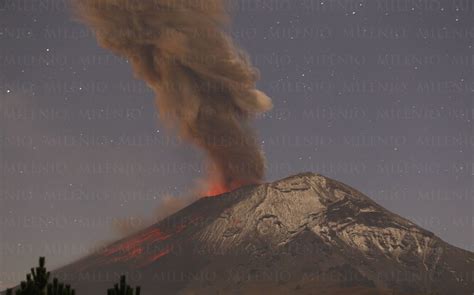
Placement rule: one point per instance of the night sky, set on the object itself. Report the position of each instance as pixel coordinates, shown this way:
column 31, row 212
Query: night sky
column 376, row 94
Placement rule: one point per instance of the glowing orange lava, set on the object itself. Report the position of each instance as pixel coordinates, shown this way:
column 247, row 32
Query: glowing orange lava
column 216, row 188
column 139, row 245
column 160, row 254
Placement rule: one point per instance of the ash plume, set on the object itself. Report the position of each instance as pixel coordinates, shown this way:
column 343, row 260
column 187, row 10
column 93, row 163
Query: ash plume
column 204, row 84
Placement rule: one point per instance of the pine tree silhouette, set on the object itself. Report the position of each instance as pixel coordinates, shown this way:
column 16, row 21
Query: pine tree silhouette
column 123, row 288
column 37, row 283
column 40, row 275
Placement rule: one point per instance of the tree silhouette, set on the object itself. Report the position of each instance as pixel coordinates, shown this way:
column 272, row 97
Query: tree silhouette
column 37, row 283
column 123, row 288
column 40, row 274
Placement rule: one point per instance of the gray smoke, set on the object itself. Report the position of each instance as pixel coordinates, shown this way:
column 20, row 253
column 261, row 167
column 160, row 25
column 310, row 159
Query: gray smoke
column 204, row 84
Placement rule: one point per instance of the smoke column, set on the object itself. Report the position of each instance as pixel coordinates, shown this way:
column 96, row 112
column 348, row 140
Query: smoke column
column 204, row 84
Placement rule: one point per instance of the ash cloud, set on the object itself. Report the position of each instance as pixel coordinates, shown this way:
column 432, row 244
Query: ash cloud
column 205, row 85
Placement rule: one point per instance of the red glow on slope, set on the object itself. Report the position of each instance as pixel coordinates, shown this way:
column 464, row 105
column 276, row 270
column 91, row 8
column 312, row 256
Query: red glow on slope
column 134, row 247
column 141, row 247
column 160, row 254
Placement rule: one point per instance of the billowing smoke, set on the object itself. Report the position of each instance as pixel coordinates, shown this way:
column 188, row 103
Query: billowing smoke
column 204, row 84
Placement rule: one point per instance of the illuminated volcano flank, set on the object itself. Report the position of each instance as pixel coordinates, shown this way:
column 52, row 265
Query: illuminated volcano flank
column 306, row 234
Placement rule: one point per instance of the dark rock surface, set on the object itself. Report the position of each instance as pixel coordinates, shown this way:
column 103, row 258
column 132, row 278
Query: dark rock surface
column 305, row 234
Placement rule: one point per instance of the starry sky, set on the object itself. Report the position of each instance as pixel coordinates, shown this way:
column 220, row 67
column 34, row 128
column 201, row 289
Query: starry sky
column 376, row 94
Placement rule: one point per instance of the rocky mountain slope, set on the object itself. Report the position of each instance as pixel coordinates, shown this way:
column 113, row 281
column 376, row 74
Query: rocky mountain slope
column 305, row 234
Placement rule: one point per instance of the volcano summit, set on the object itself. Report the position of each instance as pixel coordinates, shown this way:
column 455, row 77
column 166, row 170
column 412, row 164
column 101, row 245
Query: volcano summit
column 305, row 234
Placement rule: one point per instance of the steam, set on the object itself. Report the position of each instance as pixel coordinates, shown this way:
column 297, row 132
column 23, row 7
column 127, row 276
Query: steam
column 204, row 84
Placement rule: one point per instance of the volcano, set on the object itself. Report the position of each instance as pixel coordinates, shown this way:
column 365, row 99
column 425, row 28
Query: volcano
column 305, row 234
